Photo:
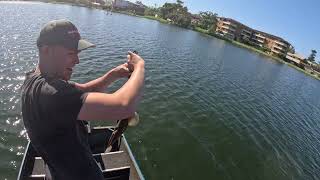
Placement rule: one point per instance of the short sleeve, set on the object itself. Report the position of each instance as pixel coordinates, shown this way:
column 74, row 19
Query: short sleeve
column 68, row 100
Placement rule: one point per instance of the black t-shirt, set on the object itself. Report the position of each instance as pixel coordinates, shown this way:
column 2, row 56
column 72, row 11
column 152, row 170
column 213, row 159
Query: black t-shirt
column 50, row 108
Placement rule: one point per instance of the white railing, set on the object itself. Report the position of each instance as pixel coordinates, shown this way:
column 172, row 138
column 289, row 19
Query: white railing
column 260, row 36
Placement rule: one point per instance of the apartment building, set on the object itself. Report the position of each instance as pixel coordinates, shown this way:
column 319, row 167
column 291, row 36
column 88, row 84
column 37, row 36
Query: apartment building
column 246, row 34
column 275, row 44
column 137, row 7
column 258, row 39
column 227, row 27
column 235, row 30
column 279, row 46
column 295, row 58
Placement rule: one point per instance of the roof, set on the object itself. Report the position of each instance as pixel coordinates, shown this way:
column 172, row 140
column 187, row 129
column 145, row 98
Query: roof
column 236, row 22
column 272, row 36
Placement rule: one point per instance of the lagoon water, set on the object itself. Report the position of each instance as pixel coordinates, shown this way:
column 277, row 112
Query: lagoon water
column 210, row 110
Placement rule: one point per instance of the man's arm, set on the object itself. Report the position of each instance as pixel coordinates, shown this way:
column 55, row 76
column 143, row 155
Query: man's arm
column 119, row 105
column 101, row 83
column 97, row 85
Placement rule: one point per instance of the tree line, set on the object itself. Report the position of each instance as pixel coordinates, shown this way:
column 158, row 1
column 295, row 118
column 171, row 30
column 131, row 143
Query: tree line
column 179, row 15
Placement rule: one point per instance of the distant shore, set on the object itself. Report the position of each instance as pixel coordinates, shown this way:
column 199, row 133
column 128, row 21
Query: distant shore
column 235, row 43
column 197, row 29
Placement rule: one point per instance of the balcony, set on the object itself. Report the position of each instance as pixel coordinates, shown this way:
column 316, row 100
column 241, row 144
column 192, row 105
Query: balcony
column 258, row 40
column 259, row 36
column 257, row 43
column 245, row 35
column 226, row 22
column 294, row 59
column 280, row 43
column 246, row 31
column 228, row 28
column 225, row 31
column 279, row 49
column 295, row 56
column 275, row 51
column 234, row 25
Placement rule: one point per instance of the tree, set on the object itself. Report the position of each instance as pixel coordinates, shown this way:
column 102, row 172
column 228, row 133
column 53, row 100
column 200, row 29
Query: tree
column 177, row 13
column 180, row 2
column 149, row 11
column 208, row 20
column 167, row 9
column 312, row 55
column 291, row 50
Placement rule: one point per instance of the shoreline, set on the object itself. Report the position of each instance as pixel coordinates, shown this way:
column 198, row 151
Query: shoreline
column 199, row 30
column 234, row 43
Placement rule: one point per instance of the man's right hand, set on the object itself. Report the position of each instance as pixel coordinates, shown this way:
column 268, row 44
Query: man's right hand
column 134, row 61
column 121, row 104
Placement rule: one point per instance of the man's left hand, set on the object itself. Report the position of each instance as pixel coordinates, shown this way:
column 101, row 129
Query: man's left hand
column 121, row 71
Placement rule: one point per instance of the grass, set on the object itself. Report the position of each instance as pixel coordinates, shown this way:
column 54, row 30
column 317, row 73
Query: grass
column 199, row 29
column 157, row 18
column 256, row 50
column 125, row 12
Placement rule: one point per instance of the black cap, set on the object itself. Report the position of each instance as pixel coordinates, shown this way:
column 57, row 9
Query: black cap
column 62, row 32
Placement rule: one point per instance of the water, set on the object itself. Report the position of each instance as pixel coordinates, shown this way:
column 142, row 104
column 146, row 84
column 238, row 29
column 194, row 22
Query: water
column 210, row 111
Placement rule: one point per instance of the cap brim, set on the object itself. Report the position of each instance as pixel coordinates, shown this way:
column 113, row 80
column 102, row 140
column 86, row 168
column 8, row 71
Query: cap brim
column 83, row 44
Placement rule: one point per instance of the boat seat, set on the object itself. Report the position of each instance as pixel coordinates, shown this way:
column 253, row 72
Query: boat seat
column 39, row 169
column 114, row 165
column 38, row 166
column 37, row 177
column 122, row 173
column 112, row 160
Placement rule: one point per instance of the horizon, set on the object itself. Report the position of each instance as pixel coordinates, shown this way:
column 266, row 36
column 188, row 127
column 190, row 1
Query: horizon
column 297, row 27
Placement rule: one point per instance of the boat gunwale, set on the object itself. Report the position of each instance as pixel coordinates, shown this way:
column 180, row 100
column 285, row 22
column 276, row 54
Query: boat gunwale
column 126, row 145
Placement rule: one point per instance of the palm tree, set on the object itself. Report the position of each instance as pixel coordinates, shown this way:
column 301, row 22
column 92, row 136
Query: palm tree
column 180, row 2
column 312, row 55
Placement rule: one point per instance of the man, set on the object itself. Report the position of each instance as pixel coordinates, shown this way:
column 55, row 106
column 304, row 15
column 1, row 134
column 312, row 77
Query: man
column 53, row 109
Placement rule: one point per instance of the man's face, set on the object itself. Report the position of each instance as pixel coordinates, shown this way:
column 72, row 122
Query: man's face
column 63, row 61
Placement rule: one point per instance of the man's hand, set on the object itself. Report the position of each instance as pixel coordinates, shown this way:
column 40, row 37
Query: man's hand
column 134, row 61
column 121, row 71
column 120, row 104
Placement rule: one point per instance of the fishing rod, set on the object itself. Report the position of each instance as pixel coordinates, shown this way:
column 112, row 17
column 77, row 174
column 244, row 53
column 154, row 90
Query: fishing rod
column 121, row 127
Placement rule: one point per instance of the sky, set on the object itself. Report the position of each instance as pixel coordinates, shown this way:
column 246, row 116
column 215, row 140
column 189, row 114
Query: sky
column 298, row 22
